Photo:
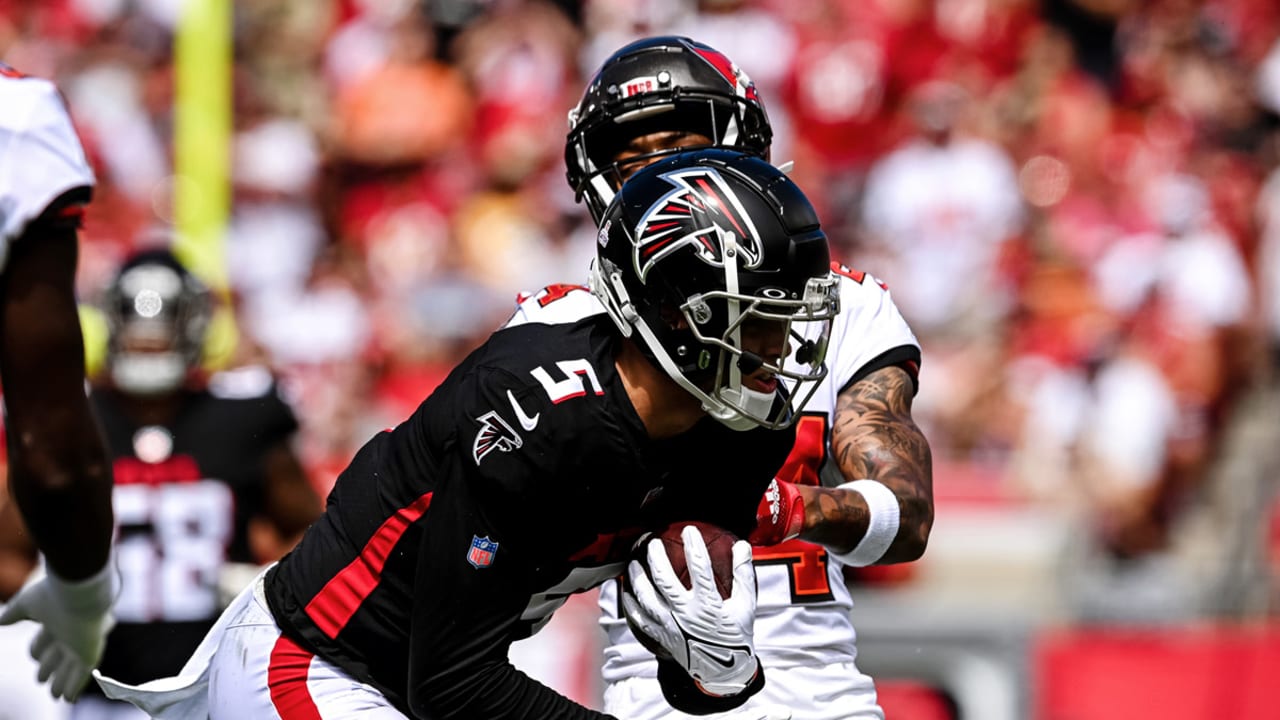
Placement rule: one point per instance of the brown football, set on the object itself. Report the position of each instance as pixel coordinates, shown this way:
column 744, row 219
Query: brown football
column 719, row 546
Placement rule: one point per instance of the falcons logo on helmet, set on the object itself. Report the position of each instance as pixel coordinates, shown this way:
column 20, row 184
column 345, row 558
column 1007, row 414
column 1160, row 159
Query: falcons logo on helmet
column 495, row 434
column 698, row 213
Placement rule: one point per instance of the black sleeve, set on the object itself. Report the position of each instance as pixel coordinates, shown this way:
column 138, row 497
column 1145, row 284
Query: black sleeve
column 63, row 214
column 906, row 357
column 723, row 473
column 466, row 614
column 725, row 485
column 683, row 694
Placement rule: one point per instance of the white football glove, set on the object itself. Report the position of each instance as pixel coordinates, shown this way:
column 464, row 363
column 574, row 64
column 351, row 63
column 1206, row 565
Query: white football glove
column 710, row 637
column 75, row 618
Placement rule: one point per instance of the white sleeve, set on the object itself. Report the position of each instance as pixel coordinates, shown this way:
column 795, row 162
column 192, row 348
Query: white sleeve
column 554, row 305
column 40, row 155
column 868, row 326
column 868, row 333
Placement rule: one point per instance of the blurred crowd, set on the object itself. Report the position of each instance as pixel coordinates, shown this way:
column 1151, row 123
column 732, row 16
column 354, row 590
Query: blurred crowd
column 1075, row 203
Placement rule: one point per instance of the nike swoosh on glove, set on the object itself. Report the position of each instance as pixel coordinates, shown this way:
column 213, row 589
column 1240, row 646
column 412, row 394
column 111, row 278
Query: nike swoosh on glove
column 780, row 515
column 75, row 618
column 709, row 636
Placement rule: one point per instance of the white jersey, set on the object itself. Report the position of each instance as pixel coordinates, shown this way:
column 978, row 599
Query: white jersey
column 40, row 155
column 803, row 617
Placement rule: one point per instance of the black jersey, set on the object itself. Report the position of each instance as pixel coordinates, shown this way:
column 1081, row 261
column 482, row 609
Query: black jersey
column 524, row 478
column 184, row 493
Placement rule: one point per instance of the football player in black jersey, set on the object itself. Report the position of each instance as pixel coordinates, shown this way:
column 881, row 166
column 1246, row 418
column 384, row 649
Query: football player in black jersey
column 59, row 478
column 591, row 416
column 205, row 474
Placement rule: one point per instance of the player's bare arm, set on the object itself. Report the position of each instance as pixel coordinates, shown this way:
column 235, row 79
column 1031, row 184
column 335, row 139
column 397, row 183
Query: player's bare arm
column 58, row 469
column 875, row 437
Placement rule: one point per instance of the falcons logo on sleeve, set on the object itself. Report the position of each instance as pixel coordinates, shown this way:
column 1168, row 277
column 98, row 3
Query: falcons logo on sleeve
column 698, row 212
column 494, row 434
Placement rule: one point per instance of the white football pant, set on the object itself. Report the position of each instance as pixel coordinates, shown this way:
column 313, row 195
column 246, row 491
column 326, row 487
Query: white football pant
column 836, row 692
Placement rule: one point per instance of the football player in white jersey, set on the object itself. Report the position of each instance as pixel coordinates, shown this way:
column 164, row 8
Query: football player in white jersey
column 660, row 95
column 59, row 475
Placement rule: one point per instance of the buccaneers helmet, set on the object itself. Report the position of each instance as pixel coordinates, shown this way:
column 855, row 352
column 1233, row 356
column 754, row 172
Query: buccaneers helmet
column 157, row 315
column 703, row 253
column 665, row 83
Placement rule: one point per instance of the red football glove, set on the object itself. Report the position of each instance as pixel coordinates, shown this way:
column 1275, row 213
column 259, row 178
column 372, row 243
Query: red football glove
column 780, row 515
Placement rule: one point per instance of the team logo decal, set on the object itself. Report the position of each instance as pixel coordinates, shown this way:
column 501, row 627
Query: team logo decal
column 494, row 434
column 680, row 218
column 482, row 551
column 639, row 86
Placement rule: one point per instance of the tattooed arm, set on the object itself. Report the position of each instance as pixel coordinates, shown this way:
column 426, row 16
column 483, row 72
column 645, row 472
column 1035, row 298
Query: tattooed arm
column 873, row 436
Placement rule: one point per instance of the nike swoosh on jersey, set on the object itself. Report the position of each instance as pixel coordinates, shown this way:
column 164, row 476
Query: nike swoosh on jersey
column 526, row 422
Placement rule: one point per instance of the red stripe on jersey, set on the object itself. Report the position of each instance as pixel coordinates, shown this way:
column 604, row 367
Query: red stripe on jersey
column 287, row 681
column 177, row 469
column 331, row 609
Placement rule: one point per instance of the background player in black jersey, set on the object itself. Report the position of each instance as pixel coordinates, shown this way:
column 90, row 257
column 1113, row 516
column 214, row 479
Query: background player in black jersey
column 205, row 474
column 59, row 477
column 656, row 96
column 530, row 472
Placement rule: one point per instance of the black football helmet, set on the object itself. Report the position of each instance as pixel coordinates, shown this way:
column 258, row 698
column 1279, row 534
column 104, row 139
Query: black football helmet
column 705, row 248
column 157, row 316
column 656, row 84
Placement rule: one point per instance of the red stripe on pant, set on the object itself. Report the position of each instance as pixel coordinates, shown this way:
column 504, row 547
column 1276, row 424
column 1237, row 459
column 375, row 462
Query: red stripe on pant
column 287, row 681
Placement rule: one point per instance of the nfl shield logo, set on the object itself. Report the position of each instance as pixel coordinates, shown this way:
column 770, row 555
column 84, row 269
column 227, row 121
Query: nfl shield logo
column 482, row 551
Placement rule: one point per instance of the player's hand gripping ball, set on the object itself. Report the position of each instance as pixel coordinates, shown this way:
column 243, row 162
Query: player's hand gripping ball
column 719, row 544
column 690, row 596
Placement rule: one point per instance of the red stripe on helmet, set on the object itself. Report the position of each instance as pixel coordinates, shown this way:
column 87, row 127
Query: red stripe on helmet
column 721, row 63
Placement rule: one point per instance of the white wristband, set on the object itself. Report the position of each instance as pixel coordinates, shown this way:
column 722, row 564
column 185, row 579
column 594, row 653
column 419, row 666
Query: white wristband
column 882, row 522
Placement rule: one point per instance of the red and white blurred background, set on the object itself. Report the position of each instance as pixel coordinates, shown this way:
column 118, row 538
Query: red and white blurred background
column 1075, row 203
